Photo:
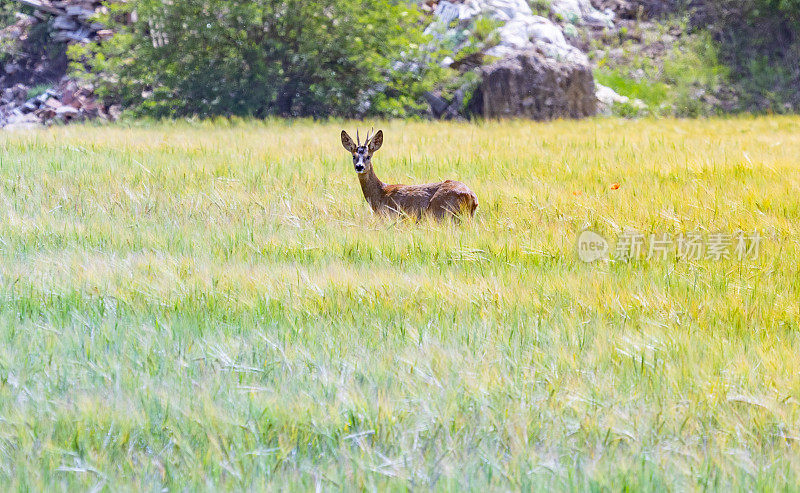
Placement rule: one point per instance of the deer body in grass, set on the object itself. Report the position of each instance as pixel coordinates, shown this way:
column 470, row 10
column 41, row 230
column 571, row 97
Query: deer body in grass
column 441, row 199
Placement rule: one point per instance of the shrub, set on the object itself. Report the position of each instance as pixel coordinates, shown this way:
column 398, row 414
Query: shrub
column 760, row 42
column 7, row 9
column 261, row 58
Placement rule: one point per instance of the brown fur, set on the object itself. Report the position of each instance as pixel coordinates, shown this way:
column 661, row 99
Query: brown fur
column 443, row 199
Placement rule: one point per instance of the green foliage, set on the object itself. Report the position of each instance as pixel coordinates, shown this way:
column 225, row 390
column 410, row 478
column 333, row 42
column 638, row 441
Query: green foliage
column 678, row 83
column 760, row 42
column 789, row 9
column 469, row 84
column 540, row 7
column 696, row 59
column 41, row 58
column 484, row 29
column 8, row 46
column 693, row 70
column 465, row 82
column 37, row 90
column 628, row 110
column 261, row 58
column 466, row 45
column 7, row 10
column 652, row 93
column 459, row 41
column 7, row 49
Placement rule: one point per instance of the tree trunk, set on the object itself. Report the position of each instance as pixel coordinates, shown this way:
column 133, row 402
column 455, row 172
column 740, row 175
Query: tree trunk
column 286, row 98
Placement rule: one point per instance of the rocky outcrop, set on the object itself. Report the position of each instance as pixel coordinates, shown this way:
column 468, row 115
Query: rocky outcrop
column 71, row 19
column 637, row 9
column 520, row 29
column 583, row 12
column 65, row 102
column 529, row 85
column 539, row 75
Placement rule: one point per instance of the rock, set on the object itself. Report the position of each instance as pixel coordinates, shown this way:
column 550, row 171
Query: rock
column 105, row 34
column 14, row 95
column 468, row 62
column 607, row 98
column 455, row 109
column 659, row 8
column 20, row 92
column 53, row 103
column 11, row 68
column 81, row 35
column 521, row 29
column 553, row 43
column 437, row 103
column 21, row 122
column 529, row 85
column 42, row 6
column 582, row 11
column 79, row 11
column 67, row 113
column 67, row 20
column 444, row 109
column 91, row 109
column 62, row 22
column 45, row 114
column 633, row 9
column 114, row 112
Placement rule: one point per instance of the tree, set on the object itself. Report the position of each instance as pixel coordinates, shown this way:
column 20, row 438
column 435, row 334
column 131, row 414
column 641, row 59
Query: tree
column 6, row 13
column 760, row 43
column 261, row 57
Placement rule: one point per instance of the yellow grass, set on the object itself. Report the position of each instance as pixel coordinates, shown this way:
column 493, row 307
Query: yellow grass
column 213, row 305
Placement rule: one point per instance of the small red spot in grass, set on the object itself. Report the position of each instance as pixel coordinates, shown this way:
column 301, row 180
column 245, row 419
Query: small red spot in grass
column 615, row 186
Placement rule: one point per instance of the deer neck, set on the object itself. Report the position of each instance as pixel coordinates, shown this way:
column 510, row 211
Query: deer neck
column 373, row 188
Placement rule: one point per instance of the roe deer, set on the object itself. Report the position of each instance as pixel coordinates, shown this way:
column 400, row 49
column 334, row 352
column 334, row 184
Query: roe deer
column 441, row 199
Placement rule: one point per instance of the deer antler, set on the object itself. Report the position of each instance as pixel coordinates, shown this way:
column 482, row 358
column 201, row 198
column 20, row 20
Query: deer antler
column 366, row 142
column 358, row 139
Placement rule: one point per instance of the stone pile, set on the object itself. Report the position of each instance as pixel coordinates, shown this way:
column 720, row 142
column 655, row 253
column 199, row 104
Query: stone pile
column 71, row 19
column 34, row 89
column 68, row 101
column 520, row 29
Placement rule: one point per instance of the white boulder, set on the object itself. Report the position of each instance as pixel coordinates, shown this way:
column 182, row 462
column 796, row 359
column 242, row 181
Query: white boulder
column 583, row 12
column 607, row 98
column 521, row 29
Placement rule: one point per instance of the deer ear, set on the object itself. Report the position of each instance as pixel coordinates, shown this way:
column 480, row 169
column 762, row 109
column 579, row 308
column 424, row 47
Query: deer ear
column 348, row 143
column 376, row 142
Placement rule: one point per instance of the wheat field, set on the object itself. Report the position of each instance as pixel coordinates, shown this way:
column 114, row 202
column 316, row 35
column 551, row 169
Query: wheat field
column 212, row 305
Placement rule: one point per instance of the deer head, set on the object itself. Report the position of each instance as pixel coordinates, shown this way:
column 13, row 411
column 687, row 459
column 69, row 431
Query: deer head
column 362, row 154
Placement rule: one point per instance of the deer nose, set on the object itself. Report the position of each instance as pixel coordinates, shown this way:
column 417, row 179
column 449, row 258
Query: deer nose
column 359, row 167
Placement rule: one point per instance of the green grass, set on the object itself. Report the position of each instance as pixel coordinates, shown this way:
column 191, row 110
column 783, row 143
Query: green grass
column 682, row 79
column 651, row 93
column 212, row 306
column 37, row 90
